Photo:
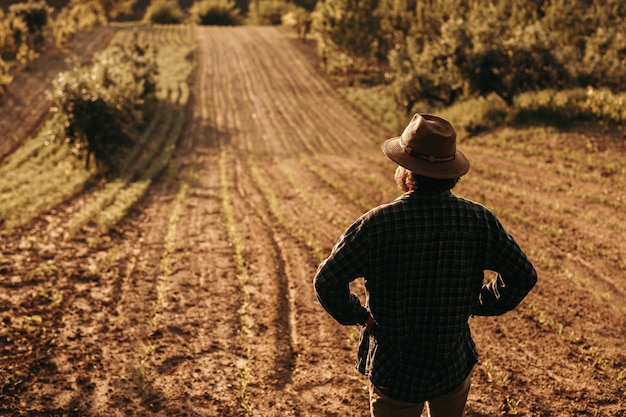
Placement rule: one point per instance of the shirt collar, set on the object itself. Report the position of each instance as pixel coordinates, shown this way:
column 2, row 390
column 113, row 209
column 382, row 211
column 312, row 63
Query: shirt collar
column 425, row 194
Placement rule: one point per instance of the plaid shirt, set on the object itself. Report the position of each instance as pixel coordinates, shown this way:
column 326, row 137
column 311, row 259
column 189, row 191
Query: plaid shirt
column 422, row 258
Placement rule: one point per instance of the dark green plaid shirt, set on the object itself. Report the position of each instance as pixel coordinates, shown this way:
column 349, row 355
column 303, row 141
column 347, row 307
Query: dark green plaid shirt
column 422, row 258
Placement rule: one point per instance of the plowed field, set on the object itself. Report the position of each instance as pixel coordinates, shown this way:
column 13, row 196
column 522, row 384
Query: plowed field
column 199, row 302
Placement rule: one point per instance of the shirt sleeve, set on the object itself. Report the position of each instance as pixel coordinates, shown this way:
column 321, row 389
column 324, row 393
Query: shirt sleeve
column 515, row 276
column 345, row 263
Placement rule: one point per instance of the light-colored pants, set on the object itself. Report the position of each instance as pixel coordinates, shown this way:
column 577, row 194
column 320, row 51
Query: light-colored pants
column 448, row 405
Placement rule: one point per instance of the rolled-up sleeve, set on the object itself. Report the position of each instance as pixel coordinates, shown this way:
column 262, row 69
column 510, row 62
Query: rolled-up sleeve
column 346, row 262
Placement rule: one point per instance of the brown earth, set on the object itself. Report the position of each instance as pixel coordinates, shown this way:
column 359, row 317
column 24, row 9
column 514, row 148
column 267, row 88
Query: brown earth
column 200, row 302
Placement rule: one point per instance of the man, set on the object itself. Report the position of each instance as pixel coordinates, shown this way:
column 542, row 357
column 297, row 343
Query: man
column 422, row 258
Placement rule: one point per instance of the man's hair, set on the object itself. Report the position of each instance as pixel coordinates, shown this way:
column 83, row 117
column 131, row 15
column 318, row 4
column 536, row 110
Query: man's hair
column 409, row 181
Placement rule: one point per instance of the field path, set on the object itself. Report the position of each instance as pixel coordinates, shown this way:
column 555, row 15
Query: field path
column 200, row 301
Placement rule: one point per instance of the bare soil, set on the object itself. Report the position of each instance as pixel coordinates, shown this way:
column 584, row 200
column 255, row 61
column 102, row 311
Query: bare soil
column 200, row 303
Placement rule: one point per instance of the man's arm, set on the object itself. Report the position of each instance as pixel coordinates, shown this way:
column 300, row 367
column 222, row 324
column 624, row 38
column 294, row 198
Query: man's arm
column 497, row 297
column 515, row 277
column 332, row 280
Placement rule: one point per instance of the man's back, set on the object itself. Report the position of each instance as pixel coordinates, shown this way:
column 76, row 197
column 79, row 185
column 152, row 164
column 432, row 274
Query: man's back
column 423, row 258
column 427, row 253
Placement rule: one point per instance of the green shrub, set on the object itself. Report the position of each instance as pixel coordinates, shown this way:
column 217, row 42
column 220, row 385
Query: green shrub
column 5, row 75
column 103, row 105
column 555, row 108
column 477, row 115
column 164, row 12
column 347, row 32
column 608, row 107
column 299, row 19
column 28, row 21
column 267, row 12
column 603, row 61
column 76, row 16
column 215, row 12
column 564, row 108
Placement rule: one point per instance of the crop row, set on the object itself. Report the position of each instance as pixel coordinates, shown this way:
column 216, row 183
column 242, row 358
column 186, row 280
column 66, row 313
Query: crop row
column 244, row 285
column 43, row 173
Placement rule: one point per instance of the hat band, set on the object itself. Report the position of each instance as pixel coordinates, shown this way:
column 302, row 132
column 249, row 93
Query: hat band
column 429, row 158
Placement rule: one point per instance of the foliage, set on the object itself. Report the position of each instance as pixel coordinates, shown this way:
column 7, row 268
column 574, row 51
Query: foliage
column 22, row 31
column 550, row 107
column 29, row 21
column 164, row 12
column 5, row 75
column 471, row 59
column 427, row 74
column 102, row 104
column 607, row 106
column 76, row 16
column 603, row 60
column 440, row 52
column 267, row 12
column 115, row 8
column 563, row 108
column 348, row 31
column 215, row 12
column 298, row 18
column 476, row 115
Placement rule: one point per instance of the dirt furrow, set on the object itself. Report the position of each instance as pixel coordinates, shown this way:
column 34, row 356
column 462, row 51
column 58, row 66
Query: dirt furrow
column 317, row 342
column 583, row 231
column 270, row 305
column 562, row 316
column 270, row 254
column 297, row 131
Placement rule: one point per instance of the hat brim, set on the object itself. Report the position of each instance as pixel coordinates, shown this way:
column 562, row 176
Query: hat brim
column 455, row 168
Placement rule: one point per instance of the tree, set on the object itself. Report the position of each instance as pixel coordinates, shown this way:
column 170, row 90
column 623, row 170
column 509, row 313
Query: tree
column 102, row 105
column 267, row 12
column 427, row 72
column 215, row 12
column 604, row 58
column 473, row 56
column 349, row 28
column 164, row 12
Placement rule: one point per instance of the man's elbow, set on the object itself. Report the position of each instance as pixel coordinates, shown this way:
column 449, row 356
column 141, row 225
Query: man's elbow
column 532, row 279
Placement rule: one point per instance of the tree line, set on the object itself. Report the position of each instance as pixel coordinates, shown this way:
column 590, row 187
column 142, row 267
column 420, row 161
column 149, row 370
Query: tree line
column 435, row 53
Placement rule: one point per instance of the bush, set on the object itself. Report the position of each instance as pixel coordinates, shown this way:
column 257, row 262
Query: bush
column 347, row 30
column 298, row 18
column 476, row 115
column 215, row 12
column 603, row 60
column 28, row 21
column 267, row 12
column 563, row 109
column 164, row 12
column 103, row 105
column 555, row 108
column 608, row 107
column 5, row 76
column 77, row 15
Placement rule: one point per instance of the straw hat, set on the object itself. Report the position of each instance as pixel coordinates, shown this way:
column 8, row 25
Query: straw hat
column 427, row 147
